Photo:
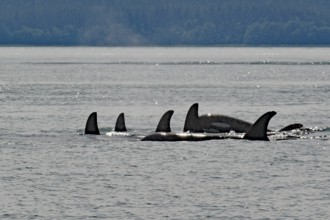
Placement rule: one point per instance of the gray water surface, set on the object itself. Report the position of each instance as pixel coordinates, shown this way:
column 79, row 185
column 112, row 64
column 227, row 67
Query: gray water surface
column 49, row 170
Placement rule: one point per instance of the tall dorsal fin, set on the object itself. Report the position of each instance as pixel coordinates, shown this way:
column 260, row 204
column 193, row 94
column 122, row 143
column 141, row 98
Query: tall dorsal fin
column 91, row 124
column 258, row 131
column 192, row 123
column 164, row 122
column 120, row 123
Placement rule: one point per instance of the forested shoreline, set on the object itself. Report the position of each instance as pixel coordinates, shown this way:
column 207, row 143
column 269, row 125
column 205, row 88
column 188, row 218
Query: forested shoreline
column 164, row 22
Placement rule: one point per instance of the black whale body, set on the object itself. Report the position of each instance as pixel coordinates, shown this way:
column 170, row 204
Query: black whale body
column 258, row 131
column 216, row 123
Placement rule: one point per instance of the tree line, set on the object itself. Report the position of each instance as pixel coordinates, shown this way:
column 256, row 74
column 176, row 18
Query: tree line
column 164, row 22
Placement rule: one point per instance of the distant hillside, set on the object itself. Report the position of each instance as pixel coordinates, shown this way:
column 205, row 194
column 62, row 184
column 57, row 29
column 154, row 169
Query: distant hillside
column 165, row 22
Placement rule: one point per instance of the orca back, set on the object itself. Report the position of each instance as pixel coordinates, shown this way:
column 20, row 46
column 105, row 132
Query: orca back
column 171, row 137
column 292, row 127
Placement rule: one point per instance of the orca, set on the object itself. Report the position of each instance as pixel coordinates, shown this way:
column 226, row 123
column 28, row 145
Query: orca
column 92, row 126
column 213, row 123
column 120, row 123
column 258, row 131
column 170, row 136
column 164, row 122
column 291, row 127
column 219, row 123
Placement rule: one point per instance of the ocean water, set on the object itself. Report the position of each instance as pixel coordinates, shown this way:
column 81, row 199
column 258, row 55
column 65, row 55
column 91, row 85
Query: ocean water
column 49, row 170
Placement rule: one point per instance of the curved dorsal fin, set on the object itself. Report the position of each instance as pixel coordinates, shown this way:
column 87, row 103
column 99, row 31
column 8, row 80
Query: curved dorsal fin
column 120, row 123
column 91, row 124
column 258, row 131
column 192, row 123
column 292, row 127
column 164, row 122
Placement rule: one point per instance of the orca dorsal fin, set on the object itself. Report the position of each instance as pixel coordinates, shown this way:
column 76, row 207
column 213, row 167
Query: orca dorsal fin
column 164, row 122
column 91, row 124
column 120, row 123
column 258, row 131
column 292, row 127
column 192, row 123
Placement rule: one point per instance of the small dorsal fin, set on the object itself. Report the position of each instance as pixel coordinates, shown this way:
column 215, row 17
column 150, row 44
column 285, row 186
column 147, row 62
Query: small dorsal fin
column 164, row 122
column 292, row 127
column 258, row 131
column 120, row 123
column 91, row 124
column 192, row 123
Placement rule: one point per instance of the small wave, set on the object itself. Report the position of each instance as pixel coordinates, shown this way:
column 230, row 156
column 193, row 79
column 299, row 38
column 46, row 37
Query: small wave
column 324, row 129
column 313, row 129
column 305, row 133
column 296, row 63
column 320, row 137
column 284, row 136
column 115, row 133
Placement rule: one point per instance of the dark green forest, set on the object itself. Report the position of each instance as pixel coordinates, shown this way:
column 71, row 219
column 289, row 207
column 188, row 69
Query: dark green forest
column 164, row 22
